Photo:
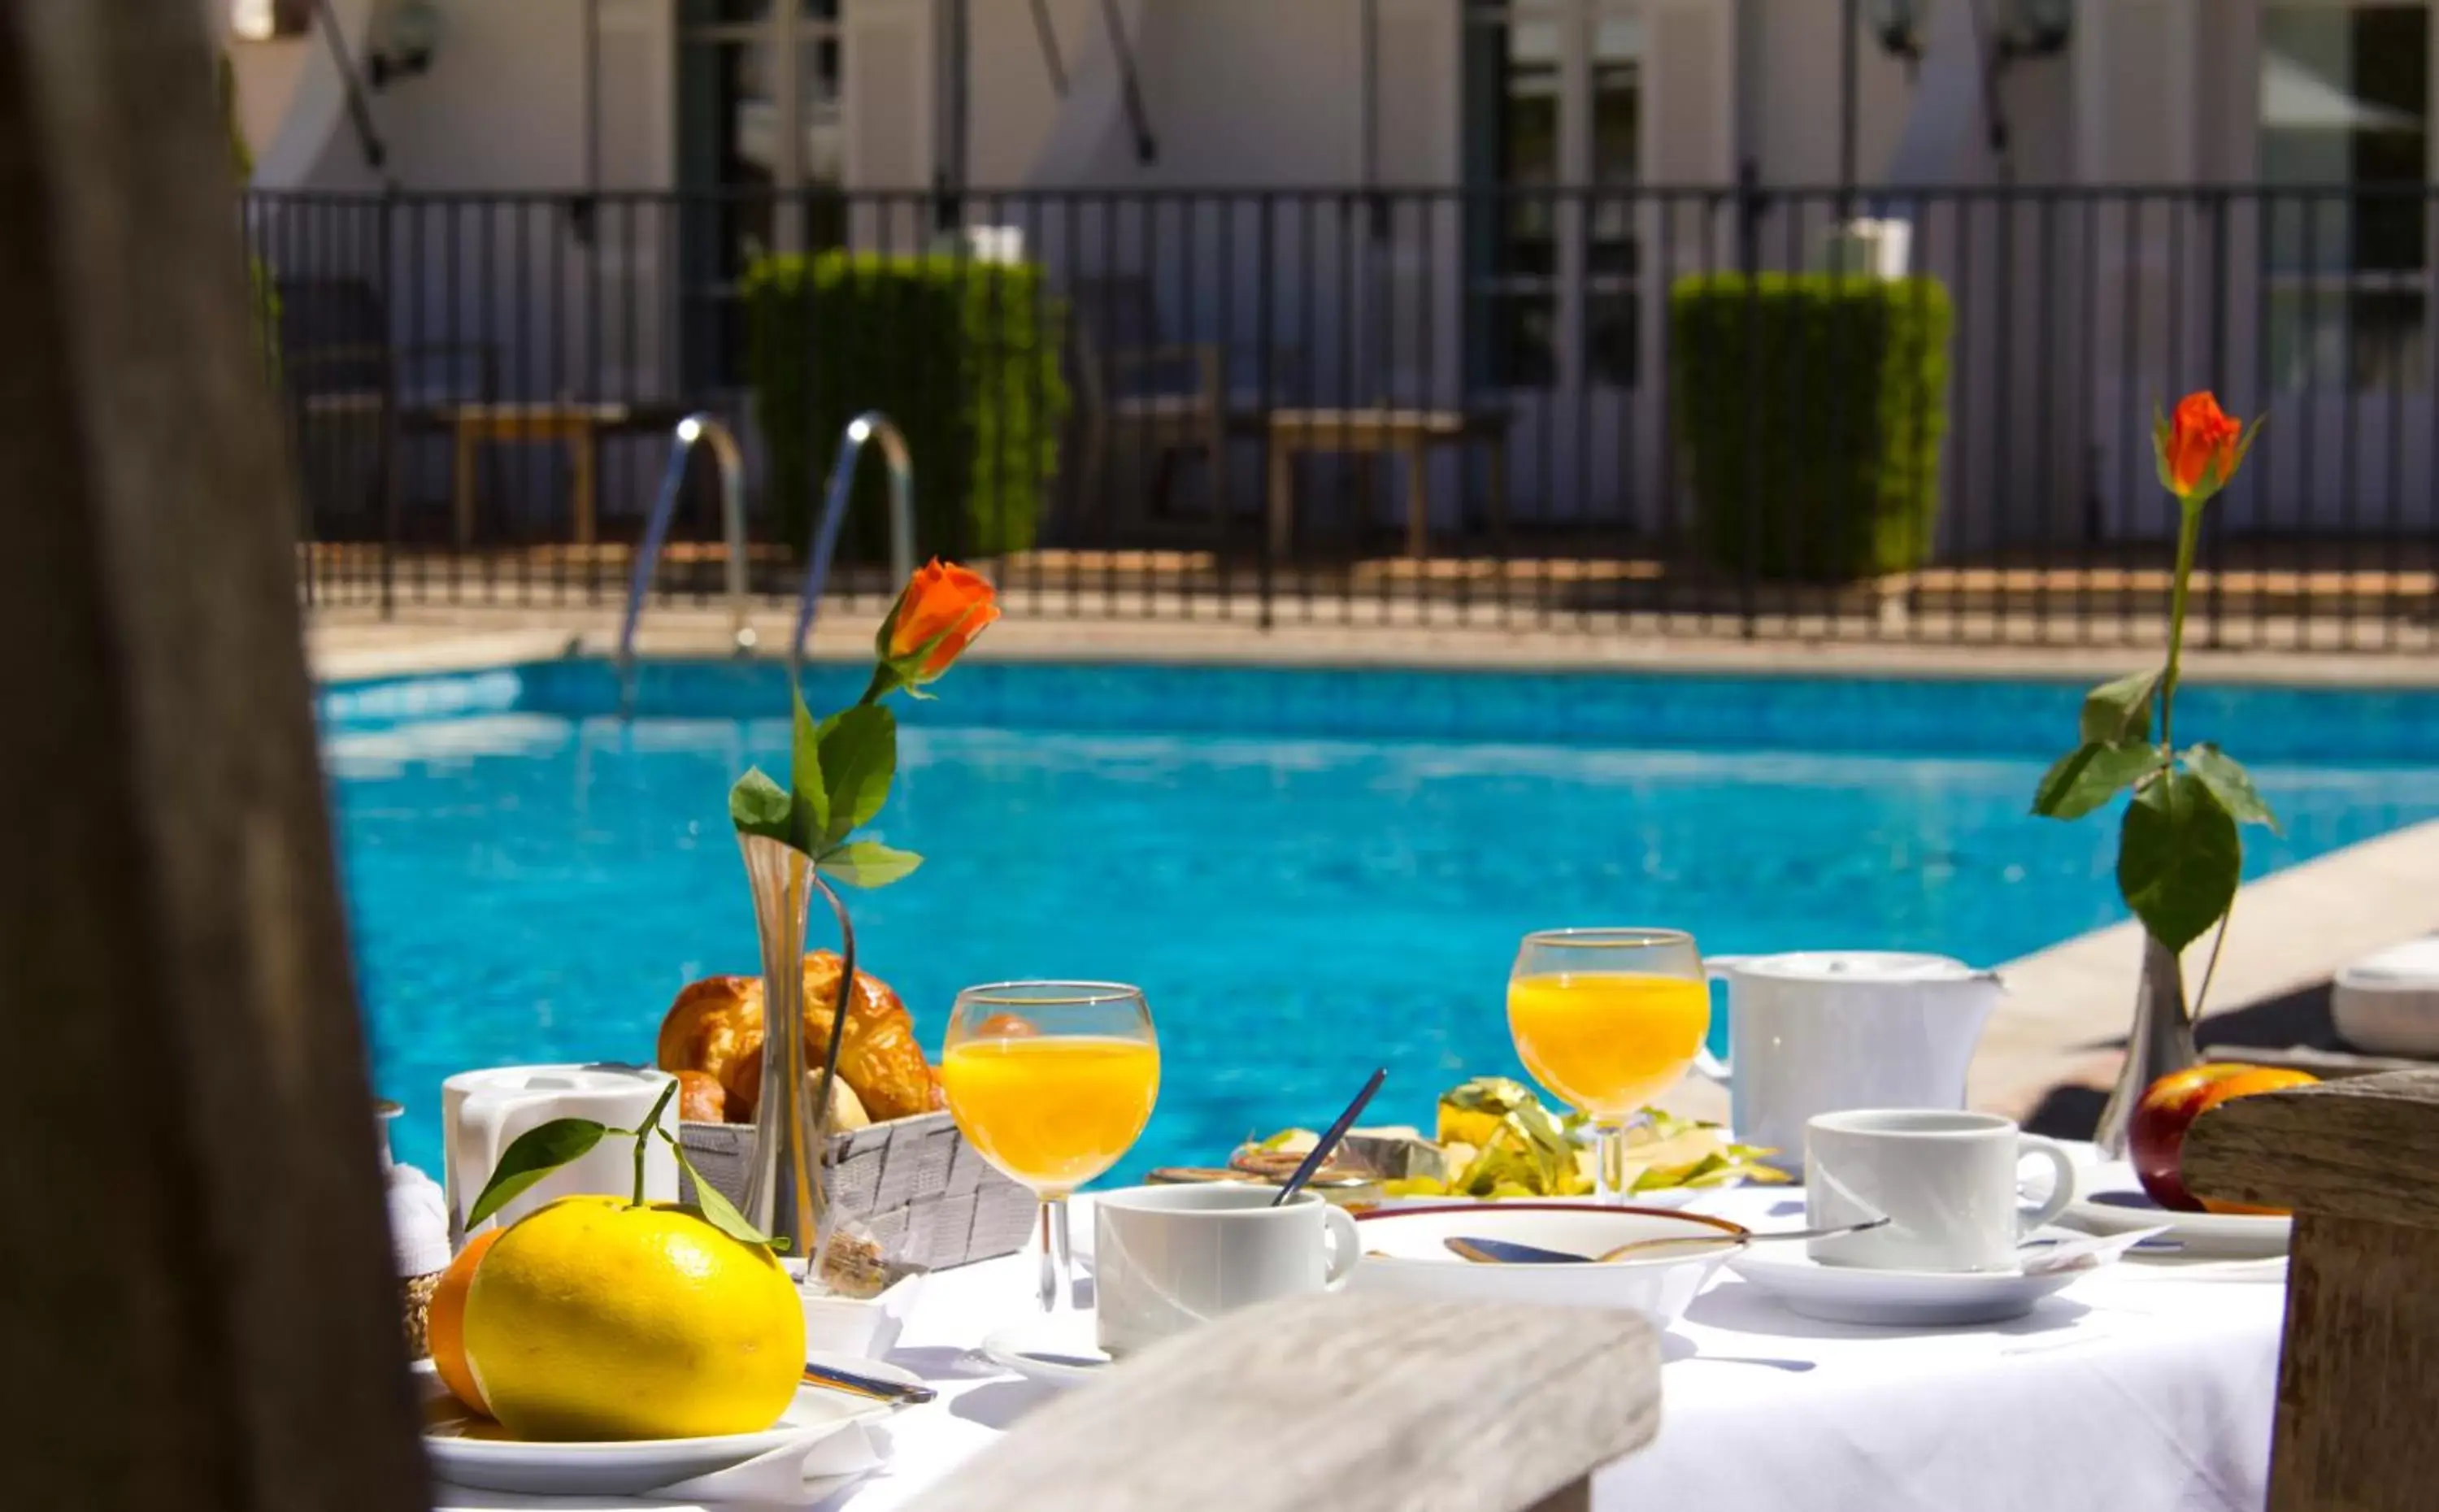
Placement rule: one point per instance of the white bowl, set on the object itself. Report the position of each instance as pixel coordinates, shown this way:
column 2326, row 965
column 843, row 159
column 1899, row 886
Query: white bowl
column 859, row 1326
column 1404, row 1255
column 2387, row 1002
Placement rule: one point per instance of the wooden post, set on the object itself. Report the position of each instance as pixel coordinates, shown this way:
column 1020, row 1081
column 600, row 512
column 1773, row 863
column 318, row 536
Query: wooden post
column 195, row 1284
column 2357, row 1162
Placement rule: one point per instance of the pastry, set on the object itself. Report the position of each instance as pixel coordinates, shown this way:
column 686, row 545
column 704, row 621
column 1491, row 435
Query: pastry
column 716, row 1027
column 880, row 1058
column 701, row 1098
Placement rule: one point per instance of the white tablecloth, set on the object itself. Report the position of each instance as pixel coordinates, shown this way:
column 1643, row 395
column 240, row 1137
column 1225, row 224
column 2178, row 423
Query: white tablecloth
column 2145, row 1385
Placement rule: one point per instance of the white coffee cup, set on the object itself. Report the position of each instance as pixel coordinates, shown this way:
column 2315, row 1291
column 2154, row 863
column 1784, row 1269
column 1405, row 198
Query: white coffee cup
column 482, row 1112
column 1945, row 1180
column 1168, row 1258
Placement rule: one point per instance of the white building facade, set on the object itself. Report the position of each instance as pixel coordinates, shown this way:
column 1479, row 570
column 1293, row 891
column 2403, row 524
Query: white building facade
column 1217, row 149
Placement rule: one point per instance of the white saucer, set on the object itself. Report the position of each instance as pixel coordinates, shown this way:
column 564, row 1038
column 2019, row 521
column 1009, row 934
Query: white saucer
column 1051, row 1351
column 1896, row 1299
column 634, row 1467
column 2109, row 1200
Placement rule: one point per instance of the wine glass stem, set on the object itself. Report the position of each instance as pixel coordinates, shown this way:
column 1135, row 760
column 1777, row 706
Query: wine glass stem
column 1058, row 1260
column 1608, row 1165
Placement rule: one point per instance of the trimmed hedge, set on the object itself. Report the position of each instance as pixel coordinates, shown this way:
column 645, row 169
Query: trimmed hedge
column 963, row 355
column 1810, row 408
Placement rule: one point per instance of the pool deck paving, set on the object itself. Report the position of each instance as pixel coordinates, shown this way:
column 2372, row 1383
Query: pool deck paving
column 2067, row 1007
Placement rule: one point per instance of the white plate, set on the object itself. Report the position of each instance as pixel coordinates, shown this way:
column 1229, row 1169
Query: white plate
column 1902, row 1299
column 1049, row 1351
column 1668, row 1197
column 1406, row 1253
column 632, row 1467
column 2108, row 1199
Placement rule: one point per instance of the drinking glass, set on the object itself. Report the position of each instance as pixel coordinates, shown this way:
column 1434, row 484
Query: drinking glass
column 1607, row 1020
column 1052, row 1081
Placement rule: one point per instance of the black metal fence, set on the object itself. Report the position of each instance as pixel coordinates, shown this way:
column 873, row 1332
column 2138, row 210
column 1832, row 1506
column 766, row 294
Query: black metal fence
column 1408, row 407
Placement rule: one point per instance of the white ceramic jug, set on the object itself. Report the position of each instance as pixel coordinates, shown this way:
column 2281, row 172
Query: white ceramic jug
column 1823, row 1032
column 482, row 1112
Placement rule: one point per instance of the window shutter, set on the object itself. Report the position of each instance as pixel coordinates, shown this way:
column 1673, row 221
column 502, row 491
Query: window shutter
column 1689, row 92
column 2135, row 67
column 889, row 93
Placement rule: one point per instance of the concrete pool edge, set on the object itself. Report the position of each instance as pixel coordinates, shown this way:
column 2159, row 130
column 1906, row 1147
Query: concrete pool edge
column 352, row 644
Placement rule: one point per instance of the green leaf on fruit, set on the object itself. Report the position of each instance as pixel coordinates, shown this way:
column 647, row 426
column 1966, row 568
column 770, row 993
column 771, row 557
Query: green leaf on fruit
column 531, row 1156
column 859, row 756
column 2090, row 776
column 2231, row 785
column 2117, row 712
column 718, row 1211
column 868, row 863
column 2179, row 859
column 759, row 805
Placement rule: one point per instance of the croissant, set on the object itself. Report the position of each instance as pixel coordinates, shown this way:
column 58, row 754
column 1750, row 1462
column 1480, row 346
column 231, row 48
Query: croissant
column 716, row 1027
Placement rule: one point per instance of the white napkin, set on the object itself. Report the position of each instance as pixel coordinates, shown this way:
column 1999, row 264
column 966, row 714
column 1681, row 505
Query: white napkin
column 823, row 1459
column 418, row 1221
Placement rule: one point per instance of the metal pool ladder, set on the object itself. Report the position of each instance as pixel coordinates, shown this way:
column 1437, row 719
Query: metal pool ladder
column 730, row 462
column 863, row 428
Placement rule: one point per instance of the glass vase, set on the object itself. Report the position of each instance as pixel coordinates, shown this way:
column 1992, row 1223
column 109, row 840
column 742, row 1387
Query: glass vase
column 2161, row 1041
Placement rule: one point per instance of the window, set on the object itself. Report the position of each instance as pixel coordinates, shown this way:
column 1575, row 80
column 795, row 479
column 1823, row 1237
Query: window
column 745, row 68
column 1554, row 110
column 266, row 20
column 2346, row 101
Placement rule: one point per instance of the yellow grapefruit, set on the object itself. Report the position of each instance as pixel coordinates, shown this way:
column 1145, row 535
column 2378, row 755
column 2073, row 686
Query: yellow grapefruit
column 594, row 1319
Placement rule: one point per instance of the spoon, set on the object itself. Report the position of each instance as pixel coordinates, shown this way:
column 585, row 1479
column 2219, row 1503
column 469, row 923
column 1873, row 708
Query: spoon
column 1328, row 1144
column 880, row 1391
column 1507, row 1252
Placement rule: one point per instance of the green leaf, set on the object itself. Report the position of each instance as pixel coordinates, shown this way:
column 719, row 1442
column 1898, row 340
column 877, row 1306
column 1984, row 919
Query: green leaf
column 2178, row 859
column 2090, row 776
column 868, row 863
column 2231, row 785
column 531, row 1156
column 759, row 805
column 859, row 757
column 810, row 823
column 2163, row 436
column 717, row 1210
column 2119, row 711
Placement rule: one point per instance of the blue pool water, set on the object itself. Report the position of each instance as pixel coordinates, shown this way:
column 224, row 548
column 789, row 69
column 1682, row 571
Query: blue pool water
column 1310, row 873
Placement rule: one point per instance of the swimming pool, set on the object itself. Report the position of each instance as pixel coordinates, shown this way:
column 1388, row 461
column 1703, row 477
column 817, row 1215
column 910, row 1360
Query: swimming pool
column 1309, row 872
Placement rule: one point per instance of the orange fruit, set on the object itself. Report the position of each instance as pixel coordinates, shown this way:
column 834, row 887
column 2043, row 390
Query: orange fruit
column 444, row 1321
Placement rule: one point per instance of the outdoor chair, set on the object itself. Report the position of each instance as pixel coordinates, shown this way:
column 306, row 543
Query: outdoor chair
column 1145, row 397
column 352, row 391
column 1345, row 1402
column 2357, row 1162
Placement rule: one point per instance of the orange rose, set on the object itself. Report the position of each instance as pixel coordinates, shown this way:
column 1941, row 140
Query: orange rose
column 941, row 611
column 2199, row 448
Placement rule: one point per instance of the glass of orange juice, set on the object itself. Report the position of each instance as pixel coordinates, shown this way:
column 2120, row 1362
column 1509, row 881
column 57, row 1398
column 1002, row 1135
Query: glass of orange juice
column 1607, row 1020
column 1052, row 1081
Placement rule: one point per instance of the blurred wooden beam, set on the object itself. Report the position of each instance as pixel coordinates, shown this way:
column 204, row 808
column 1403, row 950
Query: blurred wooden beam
column 195, row 1286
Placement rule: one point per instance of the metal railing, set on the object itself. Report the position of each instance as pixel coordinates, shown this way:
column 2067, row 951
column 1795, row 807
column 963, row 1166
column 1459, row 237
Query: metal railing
column 1408, row 407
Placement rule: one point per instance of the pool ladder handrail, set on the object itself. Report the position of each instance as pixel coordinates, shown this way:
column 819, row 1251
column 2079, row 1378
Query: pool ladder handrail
column 730, row 460
column 859, row 431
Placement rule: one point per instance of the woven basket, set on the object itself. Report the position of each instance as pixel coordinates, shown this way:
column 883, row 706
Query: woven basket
column 921, row 1191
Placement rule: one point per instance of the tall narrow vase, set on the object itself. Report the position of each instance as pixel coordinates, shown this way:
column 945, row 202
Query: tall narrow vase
column 2161, row 1042
column 783, row 1188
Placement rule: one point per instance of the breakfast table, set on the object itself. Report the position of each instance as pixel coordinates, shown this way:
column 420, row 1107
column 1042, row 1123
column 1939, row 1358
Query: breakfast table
column 2148, row 1384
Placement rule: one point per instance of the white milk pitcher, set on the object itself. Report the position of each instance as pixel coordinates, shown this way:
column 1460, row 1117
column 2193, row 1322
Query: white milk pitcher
column 1823, row 1032
column 482, row 1112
